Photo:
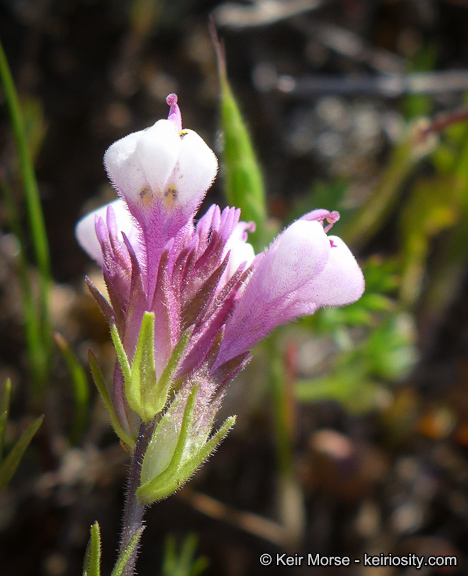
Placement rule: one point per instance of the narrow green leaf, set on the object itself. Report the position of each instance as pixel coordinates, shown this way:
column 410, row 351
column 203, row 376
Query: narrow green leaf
column 170, row 557
column 80, row 387
column 357, row 392
column 127, row 553
column 101, row 386
column 182, row 563
column 141, row 392
column 5, row 397
column 4, row 411
column 283, row 406
column 447, row 274
column 3, row 423
column 165, row 381
column 121, row 354
column 92, row 561
column 11, row 462
column 27, row 171
column 187, row 553
column 243, row 181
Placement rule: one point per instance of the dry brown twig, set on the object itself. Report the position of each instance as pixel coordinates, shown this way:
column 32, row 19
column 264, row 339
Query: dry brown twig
column 261, row 12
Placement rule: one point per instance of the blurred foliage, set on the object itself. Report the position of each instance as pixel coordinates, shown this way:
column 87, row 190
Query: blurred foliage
column 421, row 105
column 9, row 464
column 374, row 343
column 79, row 381
column 384, row 349
column 28, row 130
column 182, row 562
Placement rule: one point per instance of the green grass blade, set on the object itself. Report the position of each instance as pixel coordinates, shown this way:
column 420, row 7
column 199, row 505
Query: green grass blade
column 184, row 562
column 11, row 462
column 37, row 353
column 4, row 411
column 80, row 387
column 27, row 170
column 33, row 203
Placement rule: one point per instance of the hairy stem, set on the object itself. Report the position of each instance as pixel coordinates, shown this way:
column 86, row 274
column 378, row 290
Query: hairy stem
column 134, row 509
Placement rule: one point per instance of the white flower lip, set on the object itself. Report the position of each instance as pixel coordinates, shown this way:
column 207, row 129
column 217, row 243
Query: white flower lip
column 85, row 230
column 240, row 251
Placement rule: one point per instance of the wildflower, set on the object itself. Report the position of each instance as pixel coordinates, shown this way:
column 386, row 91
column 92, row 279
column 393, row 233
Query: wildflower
column 188, row 300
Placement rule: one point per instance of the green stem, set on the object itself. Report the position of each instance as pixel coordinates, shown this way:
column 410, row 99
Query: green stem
column 281, row 403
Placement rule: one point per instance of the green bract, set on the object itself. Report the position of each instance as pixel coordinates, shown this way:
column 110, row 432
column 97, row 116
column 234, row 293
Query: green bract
column 179, row 446
column 146, row 395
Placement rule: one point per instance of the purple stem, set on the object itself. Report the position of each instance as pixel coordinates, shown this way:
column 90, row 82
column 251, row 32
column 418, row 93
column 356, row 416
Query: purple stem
column 134, row 509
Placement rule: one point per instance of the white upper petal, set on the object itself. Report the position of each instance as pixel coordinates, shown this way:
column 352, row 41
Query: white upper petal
column 142, row 159
column 196, row 170
column 341, row 282
column 158, row 149
column 123, row 166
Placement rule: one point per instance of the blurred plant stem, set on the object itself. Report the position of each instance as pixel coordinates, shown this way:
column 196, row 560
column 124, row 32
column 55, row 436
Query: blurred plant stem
column 37, row 317
column 281, row 406
column 290, row 501
column 451, row 262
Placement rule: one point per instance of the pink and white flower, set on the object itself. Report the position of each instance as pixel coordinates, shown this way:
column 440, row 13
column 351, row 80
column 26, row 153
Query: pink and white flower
column 200, row 276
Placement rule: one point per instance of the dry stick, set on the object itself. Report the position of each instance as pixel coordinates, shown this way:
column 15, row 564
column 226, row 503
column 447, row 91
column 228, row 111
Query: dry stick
column 389, row 85
column 443, row 121
column 261, row 13
column 252, row 523
column 351, row 45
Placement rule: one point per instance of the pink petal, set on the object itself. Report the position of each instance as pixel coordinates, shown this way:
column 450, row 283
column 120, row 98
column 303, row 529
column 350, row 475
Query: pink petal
column 299, row 254
column 341, row 282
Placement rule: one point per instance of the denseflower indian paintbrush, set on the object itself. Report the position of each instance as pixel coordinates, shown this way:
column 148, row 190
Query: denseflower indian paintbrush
column 189, row 299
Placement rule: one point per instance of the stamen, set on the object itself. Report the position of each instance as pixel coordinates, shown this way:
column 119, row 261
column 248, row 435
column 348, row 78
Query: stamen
column 174, row 113
column 332, row 217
